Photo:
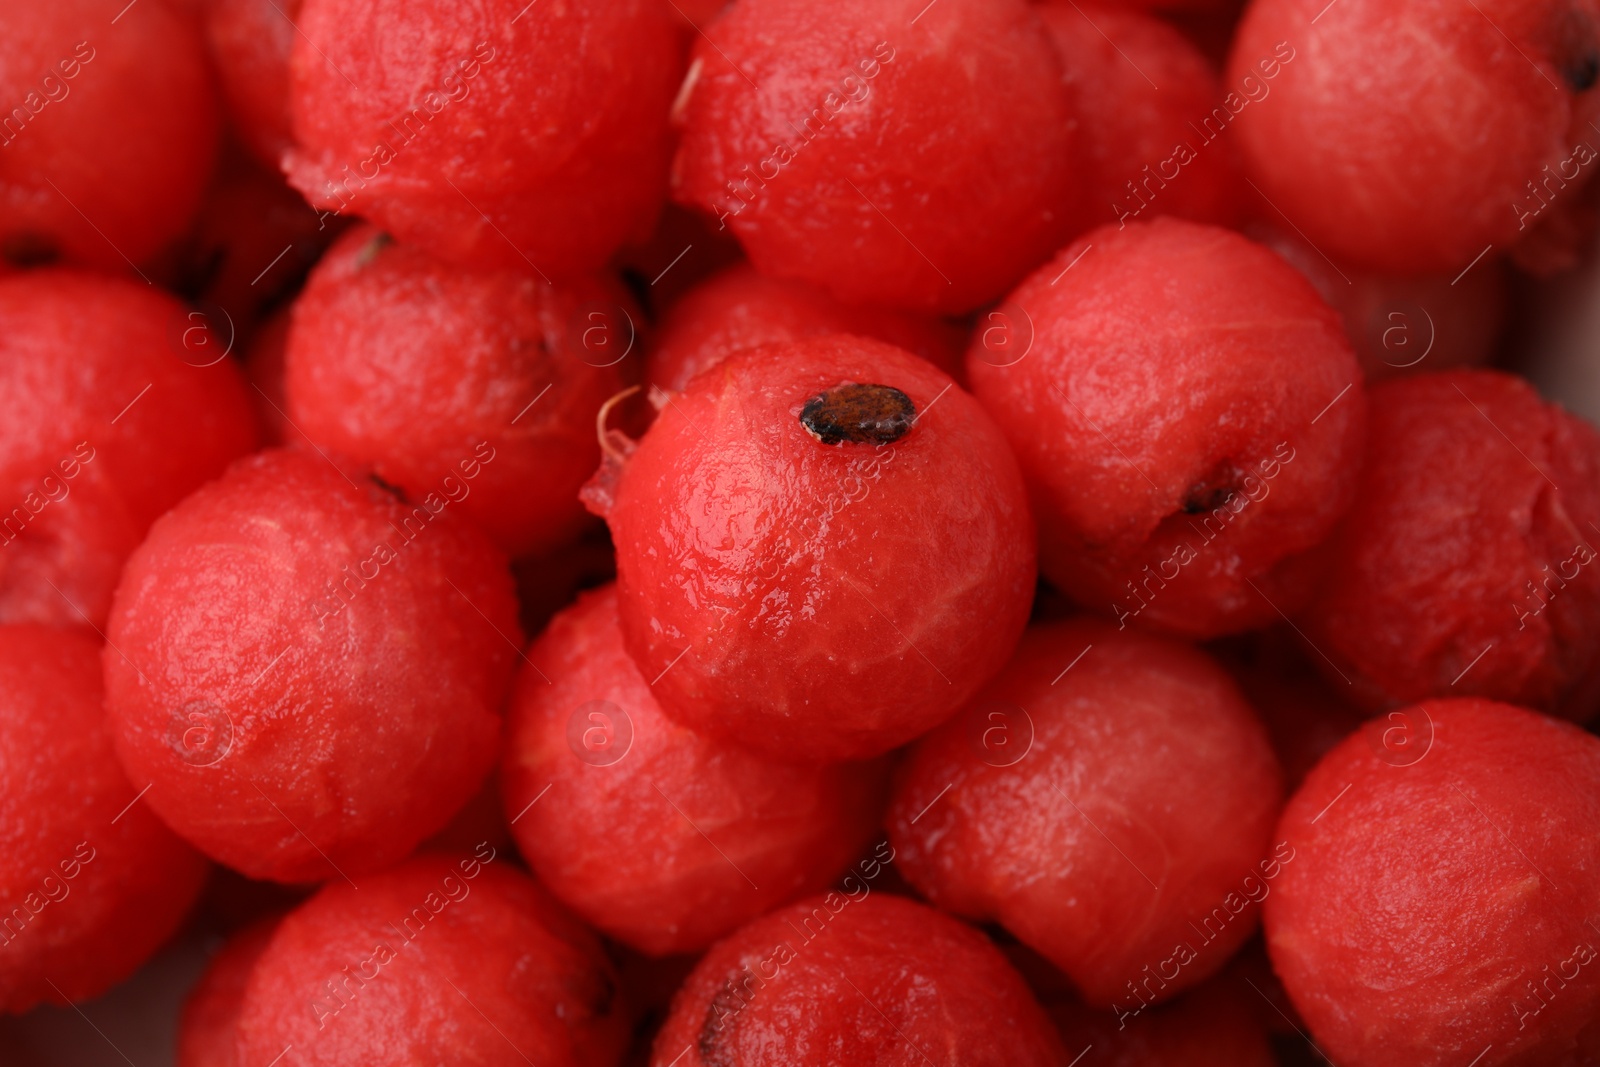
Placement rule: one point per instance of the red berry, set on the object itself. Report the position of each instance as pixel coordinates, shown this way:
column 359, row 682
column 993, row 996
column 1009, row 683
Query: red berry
column 856, row 147
column 1063, row 803
column 1336, row 148
column 250, row 42
column 739, row 308
column 438, row 960
column 1141, row 90
column 418, row 371
column 1467, row 565
column 117, row 403
column 107, row 132
column 208, row 1029
column 852, row 977
column 700, row 837
column 492, row 135
column 1179, row 462
column 1441, row 902
column 308, row 672
column 804, row 540
column 91, row 883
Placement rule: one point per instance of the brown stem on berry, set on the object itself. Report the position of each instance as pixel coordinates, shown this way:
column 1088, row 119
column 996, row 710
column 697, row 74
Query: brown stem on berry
column 873, row 414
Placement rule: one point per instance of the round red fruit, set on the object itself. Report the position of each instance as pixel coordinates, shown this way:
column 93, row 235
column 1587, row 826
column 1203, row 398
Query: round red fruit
column 1179, row 462
column 1061, row 803
column 479, row 384
column 309, row 673
column 661, row 838
column 1441, row 905
column 805, row 539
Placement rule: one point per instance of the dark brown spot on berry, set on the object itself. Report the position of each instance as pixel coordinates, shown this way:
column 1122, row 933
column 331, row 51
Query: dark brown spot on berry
column 22, row 248
column 1214, row 491
column 871, row 414
column 370, row 250
column 1577, row 51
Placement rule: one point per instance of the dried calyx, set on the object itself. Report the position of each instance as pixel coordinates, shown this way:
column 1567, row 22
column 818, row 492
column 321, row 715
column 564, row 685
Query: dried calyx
column 874, row 414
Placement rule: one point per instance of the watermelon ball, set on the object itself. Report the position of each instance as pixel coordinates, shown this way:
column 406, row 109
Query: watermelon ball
column 739, row 308
column 309, row 672
column 250, row 42
column 1180, row 464
column 107, row 179
column 855, row 146
column 856, row 977
column 1142, row 93
column 1211, row 1026
column 662, row 839
column 1405, row 324
column 1468, row 565
column 118, row 401
column 1333, row 144
column 1062, row 804
column 491, row 135
column 420, row 371
column 91, row 883
column 208, row 1028
column 441, row 959
column 1441, row 907
column 804, row 538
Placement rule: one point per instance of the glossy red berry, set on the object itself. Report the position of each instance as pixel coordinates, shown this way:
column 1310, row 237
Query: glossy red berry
column 804, row 540
column 695, row 836
column 309, row 673
column 1441, row 903
column 1060, row 803
column 1179, row 463
column 91, row 882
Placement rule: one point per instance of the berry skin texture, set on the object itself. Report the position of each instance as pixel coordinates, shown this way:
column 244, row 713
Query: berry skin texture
column 1176, row 457
column 815, row 602
column 88, row 890
column 594, row 736
column 410, row 367
column 117, row 125
column 860, row 978
column 1506, row 86
column 1070, row 802
column 1471, row 545
column 442, row 959
column 1138, row 85
column 109, row 418
column 1438, row 906
column 739, row 308
column 208, row 1028
column 826, row 136
column 250, row 42
column 314, row 671
column 486, row 136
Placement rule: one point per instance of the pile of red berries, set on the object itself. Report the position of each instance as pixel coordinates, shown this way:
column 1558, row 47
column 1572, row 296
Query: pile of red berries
column 1025, row 561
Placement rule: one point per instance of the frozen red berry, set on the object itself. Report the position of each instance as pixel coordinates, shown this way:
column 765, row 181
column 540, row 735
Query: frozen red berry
column 1064, row 802
column 1440, row 907
column 1179, row 462
column 1468, row 565
column 495, row 135
column 481, row 384
column 438, row 960
column 108, row 126
column 739, row 308
column 805, row 538
column 1142, row 94
column 118, row 401
column 856, row 977
column 91, row 883
column 858, row 147
column 700, row 836
column 1336, row 148
column 250, row 42
column 1405, row 324
column 208, row 1029
column 308, row 672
